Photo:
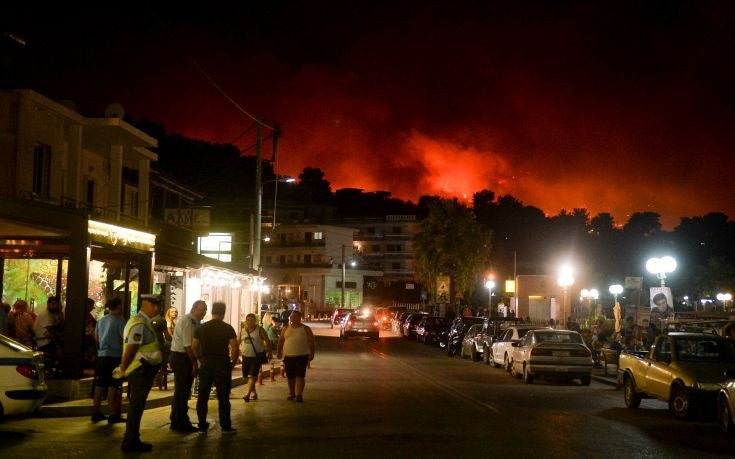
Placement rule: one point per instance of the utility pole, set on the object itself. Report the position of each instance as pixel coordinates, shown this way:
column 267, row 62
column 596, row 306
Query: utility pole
column 343, row 277
column 259, row 194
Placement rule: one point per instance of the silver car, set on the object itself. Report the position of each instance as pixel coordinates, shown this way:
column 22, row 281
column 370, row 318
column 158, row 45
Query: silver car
column 560, row 354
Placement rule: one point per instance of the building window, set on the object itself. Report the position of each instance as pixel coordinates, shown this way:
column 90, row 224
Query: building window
column 289, row 259
column 90, row 193
column 42, row 170
column 130, row 200
column 308, row 236
column 216, row 245
column 371, row 231
column 307, row 259
column 396, row 266
column 347, row 284
column 298, row 257
column 376, row 248
column 397, row 230
column 281, row 260
column 268, row 259
column 399, row 248
column 318, row 235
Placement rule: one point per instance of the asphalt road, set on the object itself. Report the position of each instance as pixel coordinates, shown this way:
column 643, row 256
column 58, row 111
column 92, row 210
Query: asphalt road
column 396, row 398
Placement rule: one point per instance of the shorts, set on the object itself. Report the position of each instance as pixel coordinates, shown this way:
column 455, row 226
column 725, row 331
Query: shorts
column 295, row 366
column 250, row 367
column 104, row 378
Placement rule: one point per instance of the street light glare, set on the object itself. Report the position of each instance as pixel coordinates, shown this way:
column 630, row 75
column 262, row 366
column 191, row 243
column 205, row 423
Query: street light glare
column 668, row 264
column 584, row 293
column 565, row 280
column 616, row 289
column 653, row 266
column 594, row 294
column 490, row 284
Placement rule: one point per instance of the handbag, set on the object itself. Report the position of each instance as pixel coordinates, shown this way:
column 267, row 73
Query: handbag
column 261, row 356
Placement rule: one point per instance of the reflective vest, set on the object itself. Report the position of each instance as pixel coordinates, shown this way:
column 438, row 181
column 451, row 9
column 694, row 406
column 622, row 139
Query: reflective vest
column 150, row 352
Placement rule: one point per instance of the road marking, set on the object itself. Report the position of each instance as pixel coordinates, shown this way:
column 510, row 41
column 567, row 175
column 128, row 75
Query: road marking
column 470, row 400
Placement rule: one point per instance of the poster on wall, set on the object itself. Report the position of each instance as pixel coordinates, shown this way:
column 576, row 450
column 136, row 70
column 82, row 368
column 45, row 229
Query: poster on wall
column 661, row 301
column 33, row 280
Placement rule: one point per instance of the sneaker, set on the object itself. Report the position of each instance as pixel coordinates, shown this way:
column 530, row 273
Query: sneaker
column 138, row 447
column 203, row 427
column 116, row 420
column 229, row 431
column 97, row 417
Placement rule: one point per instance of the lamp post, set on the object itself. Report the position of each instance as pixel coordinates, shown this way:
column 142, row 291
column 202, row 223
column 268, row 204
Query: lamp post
column 724, row 298
column 353, row 263
column 490, row 284
column 615, row 290
column 564, row 280
column 589, row 295
column 660, row 267
column 258, row 217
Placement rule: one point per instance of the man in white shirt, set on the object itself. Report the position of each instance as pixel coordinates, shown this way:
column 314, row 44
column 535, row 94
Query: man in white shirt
column 184, row 363
column 49, row 327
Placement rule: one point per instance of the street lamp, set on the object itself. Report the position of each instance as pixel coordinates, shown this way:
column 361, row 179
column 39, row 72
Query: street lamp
column 590, row 295
column 564, row 280
column 258, row 216
column 490, row 284
column 661, row 266
column 616, row 290
column 724, row 298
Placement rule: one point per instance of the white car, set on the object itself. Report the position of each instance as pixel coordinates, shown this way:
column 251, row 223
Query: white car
column 502, row 349
column 22, row 388
column 558, row 354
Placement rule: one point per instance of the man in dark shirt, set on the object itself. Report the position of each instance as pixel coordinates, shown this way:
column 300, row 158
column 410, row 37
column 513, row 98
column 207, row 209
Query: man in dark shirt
column 215, row 343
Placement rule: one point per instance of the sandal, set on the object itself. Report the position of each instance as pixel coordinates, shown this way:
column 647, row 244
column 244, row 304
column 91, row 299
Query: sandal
column 299, row 398
column 290, row 397
column 254, row 397
column 246, row 398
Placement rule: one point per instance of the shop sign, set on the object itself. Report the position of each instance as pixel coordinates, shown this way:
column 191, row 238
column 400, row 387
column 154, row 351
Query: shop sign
column 120, row 236
column 634, row 283
column 193, row 219
column 510, row 286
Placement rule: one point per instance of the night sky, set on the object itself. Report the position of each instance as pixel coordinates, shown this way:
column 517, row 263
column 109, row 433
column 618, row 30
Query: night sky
column 612, row 106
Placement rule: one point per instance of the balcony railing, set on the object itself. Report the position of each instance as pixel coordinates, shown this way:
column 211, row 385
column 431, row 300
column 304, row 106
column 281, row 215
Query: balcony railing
column 297, row 265
column 276, row 243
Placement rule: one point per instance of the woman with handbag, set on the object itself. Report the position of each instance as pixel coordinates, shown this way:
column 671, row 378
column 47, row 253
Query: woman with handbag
column 255, row 348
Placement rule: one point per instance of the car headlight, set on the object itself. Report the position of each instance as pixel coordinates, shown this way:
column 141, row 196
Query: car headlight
column 707, row 386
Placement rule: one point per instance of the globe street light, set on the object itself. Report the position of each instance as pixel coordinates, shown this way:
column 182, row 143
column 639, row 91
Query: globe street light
column 591, row 294
column 660, row 267
column 490, row 284
column 724, row 298
column 616, row 290
column 564, row 280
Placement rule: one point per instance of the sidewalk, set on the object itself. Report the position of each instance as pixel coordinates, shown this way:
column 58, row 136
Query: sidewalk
column 598, row 374
column 156, row 399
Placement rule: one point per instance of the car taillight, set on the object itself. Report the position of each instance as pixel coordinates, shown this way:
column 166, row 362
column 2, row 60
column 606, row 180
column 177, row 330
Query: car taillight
column 540, row 351
column 27, row 370
column 581, row 353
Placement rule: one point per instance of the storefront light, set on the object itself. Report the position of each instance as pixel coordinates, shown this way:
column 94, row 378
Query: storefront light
column 118, row 235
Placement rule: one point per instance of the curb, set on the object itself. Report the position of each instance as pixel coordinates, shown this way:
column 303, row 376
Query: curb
column 81, row 410
column 605, row 380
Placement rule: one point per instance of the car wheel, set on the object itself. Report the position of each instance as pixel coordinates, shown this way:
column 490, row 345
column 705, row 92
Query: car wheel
column 442, row 345
column 527, row 376
column 513, row 372
column 506, row 363
column 681, row 403
column 586, row 380
column 724, row 416
column 632, row 398
column 474, row 354
column 486, row 356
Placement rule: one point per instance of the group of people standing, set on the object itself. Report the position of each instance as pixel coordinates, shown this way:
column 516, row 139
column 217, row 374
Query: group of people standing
column 43, row 331
column 207, row 351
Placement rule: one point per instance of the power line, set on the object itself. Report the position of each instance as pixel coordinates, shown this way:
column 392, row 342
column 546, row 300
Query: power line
column 226, row 96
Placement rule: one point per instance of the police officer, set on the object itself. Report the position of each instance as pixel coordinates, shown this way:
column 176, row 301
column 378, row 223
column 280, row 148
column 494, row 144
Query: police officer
column 141, row 361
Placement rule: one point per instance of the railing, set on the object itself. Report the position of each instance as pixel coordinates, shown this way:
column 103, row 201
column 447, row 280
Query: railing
column 276, row 243
column 297, row 265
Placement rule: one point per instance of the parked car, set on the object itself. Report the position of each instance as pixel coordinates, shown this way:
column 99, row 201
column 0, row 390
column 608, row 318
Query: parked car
column 726, row 407
column 409, row 325
column 684, row 369
column 397, row 323
column 468, row 348
column 429, row 329
column 338, row 315
column 22, row 387
column 383, row 315
column 501, row 351
column 560, row 354
column 457, row 331
column 492, row 329
column 358, row 323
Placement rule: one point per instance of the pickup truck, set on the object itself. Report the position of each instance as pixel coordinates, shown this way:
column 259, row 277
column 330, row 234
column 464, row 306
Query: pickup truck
column 684, row 369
